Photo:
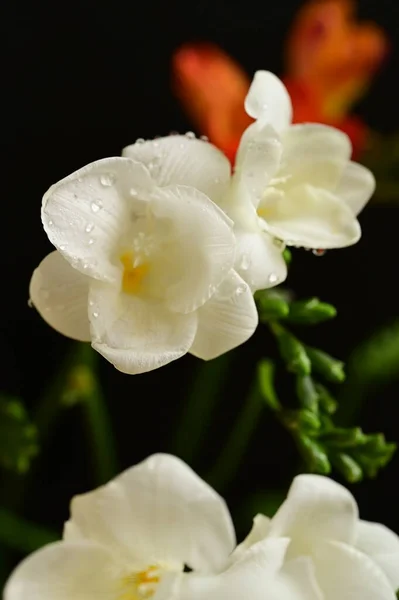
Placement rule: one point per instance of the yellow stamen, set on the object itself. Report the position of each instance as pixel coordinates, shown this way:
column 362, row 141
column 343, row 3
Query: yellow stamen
column 132, row 275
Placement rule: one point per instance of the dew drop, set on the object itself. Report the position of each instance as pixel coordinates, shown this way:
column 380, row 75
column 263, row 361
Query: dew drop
column 107, row 179
column 91, row 303
column 273, row 278
column 245, row 262
column 50, row 222
column 204, row 138
column 140, row 141
column 91, row 241
column 62, row 247
column 89, row 227
column 95, row 315
column 133, row 192
column 95, row 206
column 240, row 290
column 190, row 135
column 319, row 252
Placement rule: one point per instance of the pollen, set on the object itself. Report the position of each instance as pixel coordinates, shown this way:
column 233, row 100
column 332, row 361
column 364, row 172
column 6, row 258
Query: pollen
column 141, row 585
column 134, row 273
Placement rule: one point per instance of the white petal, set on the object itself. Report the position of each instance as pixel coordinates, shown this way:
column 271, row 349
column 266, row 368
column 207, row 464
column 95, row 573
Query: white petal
column 345, row 573
column 159, row 510
column 258, row 159
column 227, row 320
column 137, row 335
column 259, row 532
column 60, row 294
column 356, row 187
column 258, row 575
column 200, row 250
column 316, row 508
column 259, row 260
column 310, row 217
column 269, row 100
column 85, row 214
column 382, row 546
column 312, row 141
column 65, row 571
column 178, row 160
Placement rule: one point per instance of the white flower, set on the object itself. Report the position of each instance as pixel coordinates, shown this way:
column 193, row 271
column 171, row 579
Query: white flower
column 132, row 538
column 144, row 260
column 295, row 182
column 350, row 559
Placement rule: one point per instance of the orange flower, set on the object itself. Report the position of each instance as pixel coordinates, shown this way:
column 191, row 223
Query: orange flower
column 332, row 55
column 212, row 88
column 330, row 62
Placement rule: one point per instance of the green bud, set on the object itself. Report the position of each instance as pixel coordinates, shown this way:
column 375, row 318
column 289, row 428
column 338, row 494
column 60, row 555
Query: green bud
column 314, row 455
column 344, row 438
column 326, row 401
column 331, row 368
column 292, row 351
column 272, row 309
column 266, row 383
column 287, row 255
column 349, row 468
column 306, row 391
column 311, row 312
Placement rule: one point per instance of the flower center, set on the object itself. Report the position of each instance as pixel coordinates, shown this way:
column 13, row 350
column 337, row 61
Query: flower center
column 134, row 271
column 141, row 585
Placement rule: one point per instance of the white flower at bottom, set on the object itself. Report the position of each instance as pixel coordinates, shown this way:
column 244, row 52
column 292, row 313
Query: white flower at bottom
column 132, row 538
column 350, row 559
column 295, row 183
column 144, row 269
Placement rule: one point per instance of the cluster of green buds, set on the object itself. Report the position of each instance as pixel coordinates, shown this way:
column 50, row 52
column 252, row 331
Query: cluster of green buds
column 18, row 436
column 323, row 444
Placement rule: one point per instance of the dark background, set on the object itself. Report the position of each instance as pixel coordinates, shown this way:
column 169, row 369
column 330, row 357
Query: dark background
column 81, row 81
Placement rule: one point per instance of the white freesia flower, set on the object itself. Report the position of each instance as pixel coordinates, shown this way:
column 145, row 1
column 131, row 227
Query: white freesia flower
column 132, row 538
column 293, row 182
column 350, row 559
column 144, row 261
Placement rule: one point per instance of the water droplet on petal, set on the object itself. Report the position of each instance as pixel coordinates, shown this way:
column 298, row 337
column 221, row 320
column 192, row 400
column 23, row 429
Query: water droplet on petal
column 240, row 290
column 107, row 179
column 140, row 141
column 91, row 241
column 95, row 315
column 204, row 138
column 133, row 192
column 50, row 223
column 190, row 135
column 155, row 144
column 273, row 278
column 89, row 227
column 91, row 303
column 96, row 205
column 245, row 262
column 319, row 252
column 62, row 247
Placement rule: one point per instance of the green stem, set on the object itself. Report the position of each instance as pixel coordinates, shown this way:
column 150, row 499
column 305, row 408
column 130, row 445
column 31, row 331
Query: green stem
column 98, row 425
column 232, row 454
column 206, row 390
column 22, row 535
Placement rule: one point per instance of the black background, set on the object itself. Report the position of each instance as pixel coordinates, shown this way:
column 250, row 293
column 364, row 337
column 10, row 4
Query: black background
column 81, row 81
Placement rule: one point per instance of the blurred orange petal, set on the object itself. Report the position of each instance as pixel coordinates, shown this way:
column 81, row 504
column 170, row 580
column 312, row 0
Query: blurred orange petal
column 332, row 53
column 212, row 88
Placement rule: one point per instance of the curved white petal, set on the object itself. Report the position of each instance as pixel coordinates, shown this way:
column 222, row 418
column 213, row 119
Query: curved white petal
column 345, row 573
column 258, row 575
column 382, row 546
column 316, row 508
column 312, row 141
column 200, row 249
column 259, row 260
column 60, row 294
column 62, row 571
column 179, row 160
column 227, row 320
column 258, row 159
column 269, row 100
column 159, row 510
column 310, row 217
column 356, row 186
column 259, row 532
column 85, row 214
column 137, row 335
